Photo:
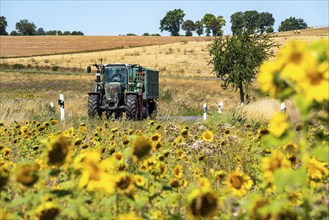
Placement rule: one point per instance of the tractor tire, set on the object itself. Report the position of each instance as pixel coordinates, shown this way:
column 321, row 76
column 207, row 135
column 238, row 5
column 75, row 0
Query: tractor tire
column 132, row 107
column 152, row 110
column 93, row 106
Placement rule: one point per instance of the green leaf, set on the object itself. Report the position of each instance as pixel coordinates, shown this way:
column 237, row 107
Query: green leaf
column 289, row 178
column 321, row 153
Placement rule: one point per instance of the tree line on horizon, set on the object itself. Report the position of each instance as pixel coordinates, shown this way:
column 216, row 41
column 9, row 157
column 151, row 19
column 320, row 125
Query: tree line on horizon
column 28, row 28
column 253, row 21
column 173, row 22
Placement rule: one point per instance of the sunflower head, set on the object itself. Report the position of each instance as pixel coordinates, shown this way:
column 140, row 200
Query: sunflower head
column 26, row 173
column 239, row 183
column 208, row 136
column 47, row 210
column 141, row 147
column 201, row 204
column 58, row 149
column 124, row 183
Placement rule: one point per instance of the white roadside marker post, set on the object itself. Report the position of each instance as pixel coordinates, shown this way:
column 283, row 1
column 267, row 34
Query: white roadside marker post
column 52, row 108
column 283, row 107
column 61, row 105
column 220, row 106
column 205, row 110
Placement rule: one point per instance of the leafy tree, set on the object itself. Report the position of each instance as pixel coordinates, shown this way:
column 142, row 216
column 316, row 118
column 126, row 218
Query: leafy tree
column 67, row 33
column 252, row 22
column 3, row 25
column 213, row 24
column 41, row 31
column 52, row 32
column 265, row 22
column 188, row 26
column 24, row 27
column 216, row 26
column 237, row 58
column 172, row 22
column 292, row 23
column 14, row 33
column 206, row 20
column 77, row 33
column 199, row 27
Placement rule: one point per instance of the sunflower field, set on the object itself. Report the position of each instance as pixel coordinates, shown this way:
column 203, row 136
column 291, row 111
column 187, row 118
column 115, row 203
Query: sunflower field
column 158, row 169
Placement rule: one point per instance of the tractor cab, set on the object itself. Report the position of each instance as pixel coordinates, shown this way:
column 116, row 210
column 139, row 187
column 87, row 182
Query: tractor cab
column 116, row 73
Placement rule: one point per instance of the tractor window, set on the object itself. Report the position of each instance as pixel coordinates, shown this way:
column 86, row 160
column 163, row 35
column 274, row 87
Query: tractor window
column 116, row 74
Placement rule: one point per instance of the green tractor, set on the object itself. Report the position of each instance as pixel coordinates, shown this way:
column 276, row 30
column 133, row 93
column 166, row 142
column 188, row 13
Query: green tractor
column 124, row 88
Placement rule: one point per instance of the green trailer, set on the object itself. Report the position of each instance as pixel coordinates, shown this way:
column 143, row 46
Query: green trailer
column 124, row 88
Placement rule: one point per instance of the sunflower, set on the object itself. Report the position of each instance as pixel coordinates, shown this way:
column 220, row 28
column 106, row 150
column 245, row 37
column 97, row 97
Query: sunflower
column 239, row 183
column 113, row 144
column 178, row 171
column 139, row 180
column 262, row 132
column 220, row 176
column 26, row 173
column 278, row 124
column 180, row 154
column 294, row 198
column 4, row 175
column 47, row 210
column 316, row 171
column 138, row 132
column 156, row 146
column 58, row 149
column 156, row 137
column 130, row 216
column 183, row 182
column 201, row 204
column 273, row 163
column 290, row 149
column 124, row 184
column 158, row 126
column 125, row 140
column 197, row 172
column 269, row 78
column 118, row 155
column 184, row 132
column 208, row 136
column 174, row 183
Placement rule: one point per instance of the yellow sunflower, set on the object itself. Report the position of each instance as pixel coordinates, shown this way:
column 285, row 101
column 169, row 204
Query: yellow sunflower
column 174, row 183
column 26, row 173
column 178, row 171
column 316, row 171
column 201, row 204
column 47, row 210
column 208, row 136
column 156, row 137
column 124, row 184
column 238, row 183
column 270, row 164
column 180, row 154
column 141, row 147
column 278, row 124
column 58, row 149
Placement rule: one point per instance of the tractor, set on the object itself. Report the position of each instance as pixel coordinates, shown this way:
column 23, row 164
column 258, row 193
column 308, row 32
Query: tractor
column 124, row 88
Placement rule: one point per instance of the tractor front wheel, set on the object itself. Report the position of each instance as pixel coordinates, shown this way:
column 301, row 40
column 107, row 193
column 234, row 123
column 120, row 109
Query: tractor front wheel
column 93, row 106
column 132, row 107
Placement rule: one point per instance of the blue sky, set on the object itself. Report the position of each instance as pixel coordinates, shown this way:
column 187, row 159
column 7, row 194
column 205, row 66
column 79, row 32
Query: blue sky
column 107, row 17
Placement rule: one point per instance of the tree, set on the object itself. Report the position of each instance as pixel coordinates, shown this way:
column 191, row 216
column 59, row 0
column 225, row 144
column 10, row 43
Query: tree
column 236, row 59
column 216, row 26
column 237, row 22
column 14, row 33
column 206, row 20
column 213, row 24
column 199, row 27
column 265, row 22
column 3, row 25
column 172, row 22
column 188, row 26
column 292, row 23
column 24, row 27
column 41, row 31
column 77, row 33
column 252, row 22
column 67, row 33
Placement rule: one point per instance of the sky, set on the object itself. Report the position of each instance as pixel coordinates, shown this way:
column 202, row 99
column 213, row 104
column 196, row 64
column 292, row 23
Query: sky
column 111, row 18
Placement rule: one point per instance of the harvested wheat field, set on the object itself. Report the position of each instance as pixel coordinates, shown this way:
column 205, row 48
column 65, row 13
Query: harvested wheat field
column 18, row 46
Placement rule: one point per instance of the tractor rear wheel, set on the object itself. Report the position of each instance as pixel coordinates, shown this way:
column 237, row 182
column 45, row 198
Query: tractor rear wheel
column 93, row 106
column 132, row 105
column 152, row 110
